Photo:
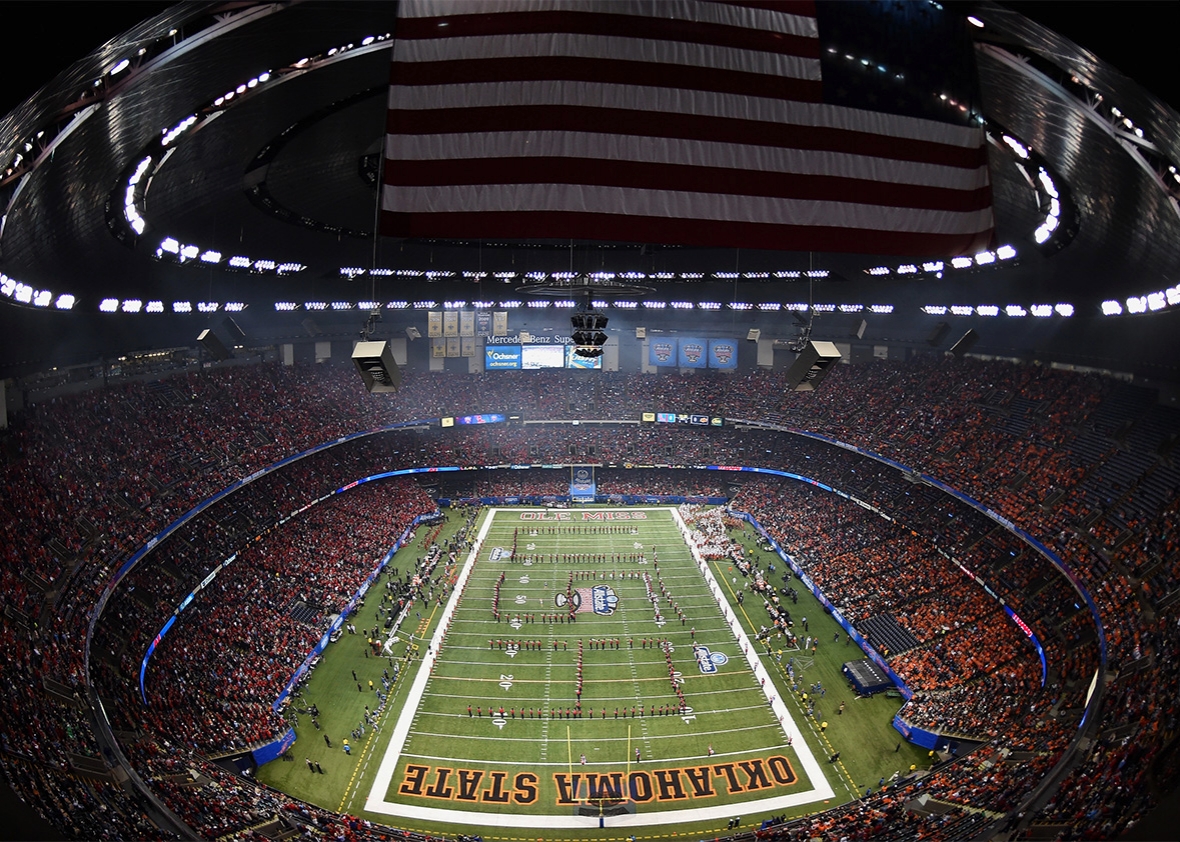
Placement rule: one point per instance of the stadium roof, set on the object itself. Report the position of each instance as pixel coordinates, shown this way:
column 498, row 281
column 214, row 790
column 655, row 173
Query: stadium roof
column 284, row 179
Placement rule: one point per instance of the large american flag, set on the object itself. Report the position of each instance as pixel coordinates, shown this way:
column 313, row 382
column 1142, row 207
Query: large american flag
column 660, row 121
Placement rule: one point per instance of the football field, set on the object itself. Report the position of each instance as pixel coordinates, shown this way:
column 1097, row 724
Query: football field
column 587, row 671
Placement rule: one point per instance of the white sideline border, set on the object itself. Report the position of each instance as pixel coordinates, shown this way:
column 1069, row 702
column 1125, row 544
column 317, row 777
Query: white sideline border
column 376, row 803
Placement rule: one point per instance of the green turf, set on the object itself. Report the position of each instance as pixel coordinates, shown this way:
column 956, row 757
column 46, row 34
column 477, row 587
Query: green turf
column 332, row 689
column 729, row 711
column 870, row 747
column 527, row 672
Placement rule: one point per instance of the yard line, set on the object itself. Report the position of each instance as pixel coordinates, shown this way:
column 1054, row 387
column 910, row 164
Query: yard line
column 498, row 737
column 716, row 712
column 661, row 760
column 658, row 678
column 401, row 730
column 548, row 702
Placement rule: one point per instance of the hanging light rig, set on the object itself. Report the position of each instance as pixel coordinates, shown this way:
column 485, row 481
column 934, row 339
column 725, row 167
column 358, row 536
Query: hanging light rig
column 588, row 326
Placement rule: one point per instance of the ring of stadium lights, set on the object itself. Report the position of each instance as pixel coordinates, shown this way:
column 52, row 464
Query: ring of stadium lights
column 1049, row 235
column 566, row 303
column 37, row 144
column 1152, row 302
column 21, row 293
column 258, row 191
column 593, row 283
column 936, row 268
column 131, row 189
column 1040, row 311
column 351, row 273
column 136, row 305
column 1132, row 138
column 1136, row 304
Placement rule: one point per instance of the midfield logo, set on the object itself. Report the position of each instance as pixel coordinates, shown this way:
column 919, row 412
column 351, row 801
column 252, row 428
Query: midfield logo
column 601, row 599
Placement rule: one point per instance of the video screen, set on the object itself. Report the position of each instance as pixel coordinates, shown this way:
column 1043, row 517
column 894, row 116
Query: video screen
column 533, row 357
column 572, row 360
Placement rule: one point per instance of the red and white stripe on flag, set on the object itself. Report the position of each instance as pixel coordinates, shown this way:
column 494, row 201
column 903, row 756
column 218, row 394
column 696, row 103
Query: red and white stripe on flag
column 659, row 121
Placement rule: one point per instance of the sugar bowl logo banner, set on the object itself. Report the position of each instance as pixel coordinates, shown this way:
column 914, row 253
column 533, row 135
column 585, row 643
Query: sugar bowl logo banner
column 692, row 353
column 582, row 485
column 662, row 352
column 722, row 353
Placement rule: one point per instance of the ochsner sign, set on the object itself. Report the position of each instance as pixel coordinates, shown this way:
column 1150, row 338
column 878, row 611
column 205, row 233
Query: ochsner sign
column 500, row 357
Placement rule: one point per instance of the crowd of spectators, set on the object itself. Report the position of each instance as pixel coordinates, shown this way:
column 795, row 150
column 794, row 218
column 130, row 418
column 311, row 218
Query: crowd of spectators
column 867, row 567
column 213, row 678
column 244, row 618
column 83, row 807
column 91, row 478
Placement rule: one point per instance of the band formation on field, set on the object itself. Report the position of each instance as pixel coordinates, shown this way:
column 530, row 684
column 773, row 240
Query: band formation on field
column 588, row 670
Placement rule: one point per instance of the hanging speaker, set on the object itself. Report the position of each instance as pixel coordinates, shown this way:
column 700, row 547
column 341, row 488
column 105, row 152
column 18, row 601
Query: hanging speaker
column 214, row 346
column 966, row 343
column 812, row 366
column 374, row 361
